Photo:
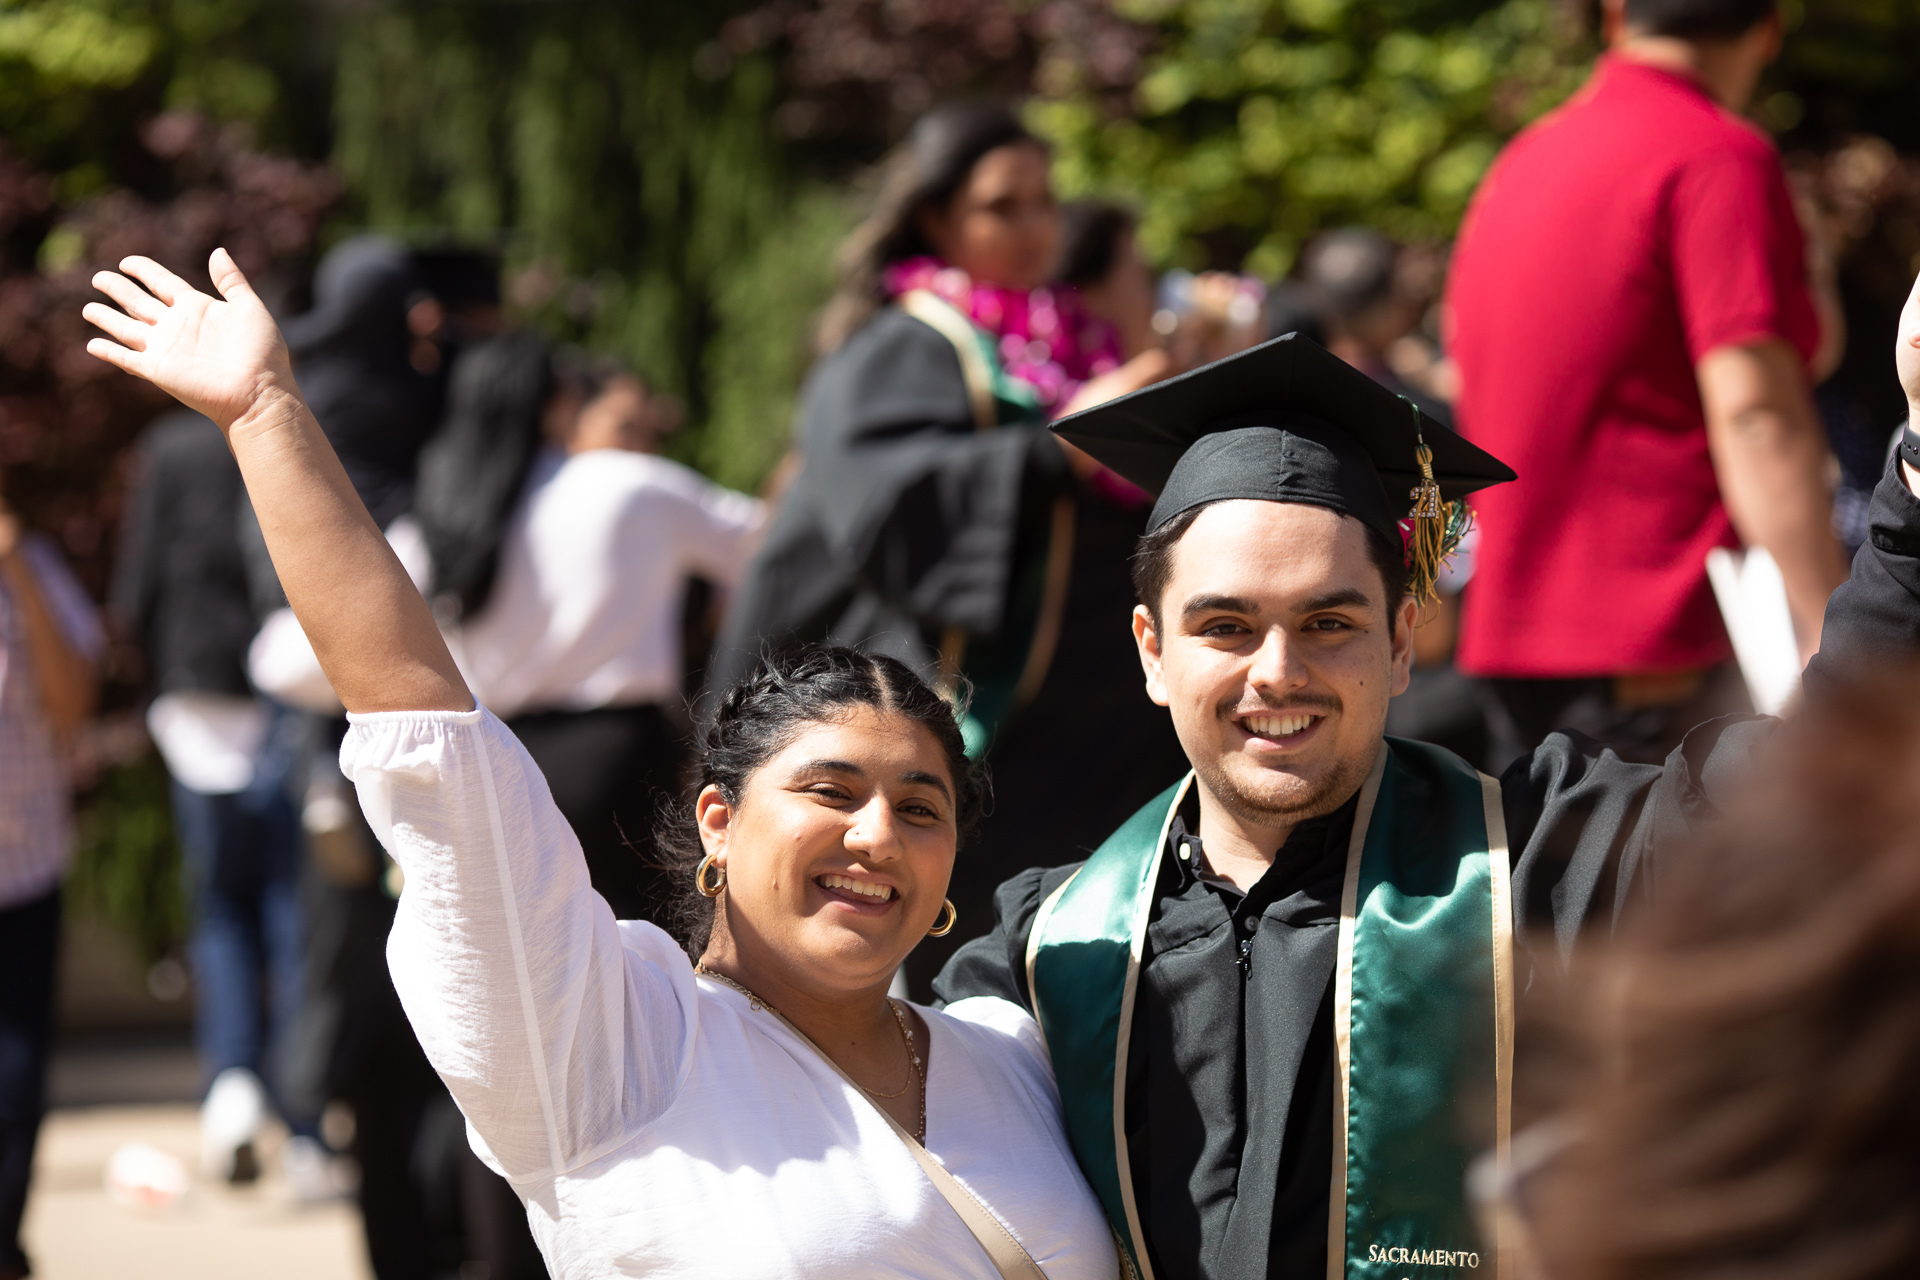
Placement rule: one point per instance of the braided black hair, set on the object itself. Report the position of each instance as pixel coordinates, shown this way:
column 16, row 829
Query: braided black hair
column 785, row 693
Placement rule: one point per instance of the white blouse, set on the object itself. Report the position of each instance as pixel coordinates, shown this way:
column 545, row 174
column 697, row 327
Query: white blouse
column 585, row 608
column 652, row 1121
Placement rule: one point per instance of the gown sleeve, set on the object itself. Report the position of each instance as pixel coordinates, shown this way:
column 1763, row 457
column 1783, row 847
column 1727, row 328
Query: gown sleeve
column 719, row 529
column 926, row 507
column 1590, row 830
column 996, row 965
column 903, row 501
column 559, row 1032
column 1875, row 615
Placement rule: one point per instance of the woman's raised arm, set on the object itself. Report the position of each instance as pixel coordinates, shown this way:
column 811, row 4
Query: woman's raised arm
column 374, row 635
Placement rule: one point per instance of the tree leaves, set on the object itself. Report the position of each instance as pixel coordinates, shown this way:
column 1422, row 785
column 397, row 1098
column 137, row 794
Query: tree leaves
column 1257, row 122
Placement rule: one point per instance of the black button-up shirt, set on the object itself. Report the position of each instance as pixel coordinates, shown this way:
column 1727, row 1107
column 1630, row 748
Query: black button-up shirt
column 1235, row 999
column 1230, row 1065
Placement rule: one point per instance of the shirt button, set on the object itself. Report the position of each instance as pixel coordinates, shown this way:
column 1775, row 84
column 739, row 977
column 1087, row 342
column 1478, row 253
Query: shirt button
column 1251, row 924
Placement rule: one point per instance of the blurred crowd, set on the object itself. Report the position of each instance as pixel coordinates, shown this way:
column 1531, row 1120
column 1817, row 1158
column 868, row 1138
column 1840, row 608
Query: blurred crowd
column 593, row 591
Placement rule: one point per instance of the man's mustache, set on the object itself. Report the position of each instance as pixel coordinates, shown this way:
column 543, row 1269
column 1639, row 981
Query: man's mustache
column 1316, row 704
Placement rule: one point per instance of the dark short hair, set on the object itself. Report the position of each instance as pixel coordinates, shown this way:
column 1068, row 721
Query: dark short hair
column 787, row 692
column 588, row 374
column 1153, row 561
column 1351, row 270
column 1698, row 19
column 1091, row 231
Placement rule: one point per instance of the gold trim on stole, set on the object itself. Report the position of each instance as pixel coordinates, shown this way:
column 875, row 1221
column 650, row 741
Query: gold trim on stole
column 1053, row 605
column 1343, row 1020
column 1139, row 932
column 1121, row 1156
column 957, row 327
column 1500, row 874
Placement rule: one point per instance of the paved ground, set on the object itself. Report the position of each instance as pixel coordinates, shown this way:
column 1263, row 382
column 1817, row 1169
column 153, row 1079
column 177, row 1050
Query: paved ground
column 123, row 1071
column 74, row 1232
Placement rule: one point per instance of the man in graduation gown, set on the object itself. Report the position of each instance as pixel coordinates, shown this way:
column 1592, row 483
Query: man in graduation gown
column 1280, row 1000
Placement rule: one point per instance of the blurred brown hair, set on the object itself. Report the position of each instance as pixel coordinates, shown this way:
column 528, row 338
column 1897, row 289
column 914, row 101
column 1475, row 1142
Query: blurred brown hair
column 927, row 170
column 1749, row 1097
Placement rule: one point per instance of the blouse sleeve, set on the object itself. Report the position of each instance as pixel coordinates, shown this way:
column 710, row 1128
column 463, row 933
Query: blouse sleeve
column 559, row 1032
column 719, row 529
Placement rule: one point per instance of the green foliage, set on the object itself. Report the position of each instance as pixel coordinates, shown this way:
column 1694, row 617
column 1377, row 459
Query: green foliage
column 1849, row 66
column 623, row 160
column 126, row 868
column 79, row 77
column 760, row 350
column 1258, row 122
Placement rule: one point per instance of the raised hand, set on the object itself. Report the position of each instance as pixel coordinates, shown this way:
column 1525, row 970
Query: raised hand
column 222, row 356
column 373, row 634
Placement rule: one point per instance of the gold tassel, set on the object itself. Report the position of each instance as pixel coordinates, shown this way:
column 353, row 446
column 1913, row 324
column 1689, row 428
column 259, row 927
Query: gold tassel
column 1438, row 526
column 1429, row 516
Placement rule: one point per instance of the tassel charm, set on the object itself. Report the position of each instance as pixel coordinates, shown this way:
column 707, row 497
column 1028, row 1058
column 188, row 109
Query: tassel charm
column 1437, row 526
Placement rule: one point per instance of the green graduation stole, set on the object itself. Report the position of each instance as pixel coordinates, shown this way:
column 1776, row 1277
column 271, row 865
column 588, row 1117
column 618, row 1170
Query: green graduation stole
column 1423, row 1013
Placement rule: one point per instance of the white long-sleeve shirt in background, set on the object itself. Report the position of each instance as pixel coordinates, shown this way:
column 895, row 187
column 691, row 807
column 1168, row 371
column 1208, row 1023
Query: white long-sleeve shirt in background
column 652, row 1120
column 586, row 602
column 585, row 609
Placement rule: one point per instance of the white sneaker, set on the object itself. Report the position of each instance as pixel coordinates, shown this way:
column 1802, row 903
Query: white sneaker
column 230, row 1122
column 315, row 1175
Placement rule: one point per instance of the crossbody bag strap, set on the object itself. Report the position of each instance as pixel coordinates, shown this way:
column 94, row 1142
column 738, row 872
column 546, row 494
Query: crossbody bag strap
column 1008, row 1255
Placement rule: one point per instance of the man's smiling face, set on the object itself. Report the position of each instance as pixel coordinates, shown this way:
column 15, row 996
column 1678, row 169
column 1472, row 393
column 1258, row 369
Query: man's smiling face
column 1276, row 651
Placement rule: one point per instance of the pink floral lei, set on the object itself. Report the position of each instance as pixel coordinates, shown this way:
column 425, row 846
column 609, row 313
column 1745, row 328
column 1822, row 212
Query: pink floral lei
column 1048, row 339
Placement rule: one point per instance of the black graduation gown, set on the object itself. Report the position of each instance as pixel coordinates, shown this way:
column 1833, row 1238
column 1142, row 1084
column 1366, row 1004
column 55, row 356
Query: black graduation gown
column 907, row 520
column 1230, row 1069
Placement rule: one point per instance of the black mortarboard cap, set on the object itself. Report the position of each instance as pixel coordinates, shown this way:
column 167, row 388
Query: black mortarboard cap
column 1285, row 421
column 460, row 277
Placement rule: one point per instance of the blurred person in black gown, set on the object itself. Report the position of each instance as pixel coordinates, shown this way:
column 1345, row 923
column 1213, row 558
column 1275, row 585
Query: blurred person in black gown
column 355, row 352
column 935, row 520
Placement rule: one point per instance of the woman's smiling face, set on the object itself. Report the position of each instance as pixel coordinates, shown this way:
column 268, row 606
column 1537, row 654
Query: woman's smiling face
column 838, row 851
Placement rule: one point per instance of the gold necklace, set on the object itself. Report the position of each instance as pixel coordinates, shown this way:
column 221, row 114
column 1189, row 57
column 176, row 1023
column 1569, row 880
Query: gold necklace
column 915, row 1072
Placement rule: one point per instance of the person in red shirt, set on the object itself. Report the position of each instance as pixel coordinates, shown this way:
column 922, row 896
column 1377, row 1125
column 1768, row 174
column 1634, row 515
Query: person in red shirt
column 1629, row 309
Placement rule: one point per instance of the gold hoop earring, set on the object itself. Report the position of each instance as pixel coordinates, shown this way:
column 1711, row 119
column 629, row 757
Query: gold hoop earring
column 953, row 918
column 700, row 878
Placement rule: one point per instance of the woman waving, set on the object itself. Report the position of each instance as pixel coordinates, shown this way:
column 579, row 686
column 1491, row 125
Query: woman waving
column 767, row 1112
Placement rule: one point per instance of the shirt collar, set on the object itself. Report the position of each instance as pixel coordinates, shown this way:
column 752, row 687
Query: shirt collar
column 1309, row 845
